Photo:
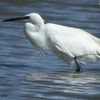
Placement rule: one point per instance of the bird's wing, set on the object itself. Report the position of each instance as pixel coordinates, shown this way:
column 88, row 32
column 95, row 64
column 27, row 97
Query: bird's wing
column 71, row 41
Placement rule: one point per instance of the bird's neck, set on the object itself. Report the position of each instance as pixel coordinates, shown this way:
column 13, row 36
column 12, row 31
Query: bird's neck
column 40, row 25
column 36, row 34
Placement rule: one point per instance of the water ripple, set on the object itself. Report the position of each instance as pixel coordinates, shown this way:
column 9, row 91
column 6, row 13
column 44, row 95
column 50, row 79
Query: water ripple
column 27, row 73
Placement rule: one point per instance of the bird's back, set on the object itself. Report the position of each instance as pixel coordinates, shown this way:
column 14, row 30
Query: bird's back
column 71, row 42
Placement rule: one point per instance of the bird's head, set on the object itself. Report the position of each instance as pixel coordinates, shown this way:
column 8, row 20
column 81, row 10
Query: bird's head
column 32, row 17
column 35, row 18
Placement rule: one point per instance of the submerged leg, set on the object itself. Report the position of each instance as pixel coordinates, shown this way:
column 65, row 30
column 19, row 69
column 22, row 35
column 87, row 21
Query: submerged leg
column 77, row 64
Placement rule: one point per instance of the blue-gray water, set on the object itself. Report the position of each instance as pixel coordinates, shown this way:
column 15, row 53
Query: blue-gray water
column 26, row 73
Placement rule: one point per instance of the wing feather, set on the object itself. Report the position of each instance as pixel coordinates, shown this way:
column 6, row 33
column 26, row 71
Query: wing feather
column 71, row 41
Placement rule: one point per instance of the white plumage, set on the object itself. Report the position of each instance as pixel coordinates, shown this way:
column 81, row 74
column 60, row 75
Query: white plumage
column 70, row 44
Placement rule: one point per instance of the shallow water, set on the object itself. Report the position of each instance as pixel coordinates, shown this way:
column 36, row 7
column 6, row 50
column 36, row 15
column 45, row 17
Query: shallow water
column 27, row 73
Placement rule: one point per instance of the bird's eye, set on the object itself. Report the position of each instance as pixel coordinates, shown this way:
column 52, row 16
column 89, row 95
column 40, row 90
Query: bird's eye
column 27, row 17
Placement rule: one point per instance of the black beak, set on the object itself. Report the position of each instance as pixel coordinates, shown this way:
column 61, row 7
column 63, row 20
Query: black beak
column 17, row 18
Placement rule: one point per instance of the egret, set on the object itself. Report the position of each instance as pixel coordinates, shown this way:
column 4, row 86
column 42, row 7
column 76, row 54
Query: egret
column 69, row 43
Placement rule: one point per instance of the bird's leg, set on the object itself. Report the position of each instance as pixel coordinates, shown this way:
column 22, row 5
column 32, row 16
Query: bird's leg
column 77, row 64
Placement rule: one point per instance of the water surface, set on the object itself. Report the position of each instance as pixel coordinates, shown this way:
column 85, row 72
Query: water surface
column 27, row 73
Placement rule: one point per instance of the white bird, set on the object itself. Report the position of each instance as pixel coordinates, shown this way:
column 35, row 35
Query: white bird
column 68, row 43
